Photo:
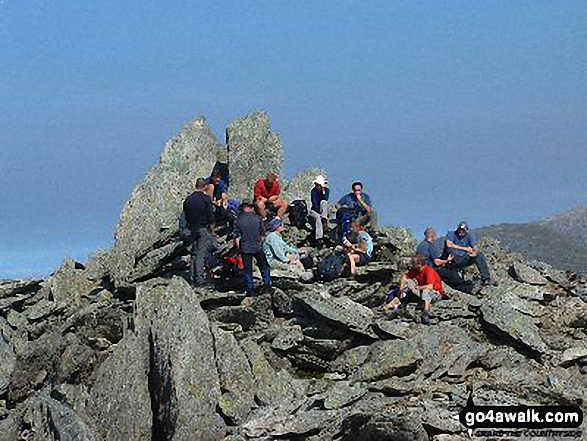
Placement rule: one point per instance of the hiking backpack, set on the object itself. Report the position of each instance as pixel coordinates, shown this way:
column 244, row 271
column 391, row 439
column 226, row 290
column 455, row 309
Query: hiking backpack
column 298, row 214
column 332, row 267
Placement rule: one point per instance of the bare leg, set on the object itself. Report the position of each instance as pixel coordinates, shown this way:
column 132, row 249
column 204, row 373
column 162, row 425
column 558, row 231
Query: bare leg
column 261, row 206
column 281, row 207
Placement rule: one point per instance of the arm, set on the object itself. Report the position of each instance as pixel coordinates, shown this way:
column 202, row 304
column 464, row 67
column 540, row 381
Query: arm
column 402, row 281
column 258, row 190
column 277, row 191
column 364, row 204
column 451, row 244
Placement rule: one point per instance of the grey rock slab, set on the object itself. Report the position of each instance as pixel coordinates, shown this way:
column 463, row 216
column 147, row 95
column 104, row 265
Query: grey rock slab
column 94, row 322
column 156, row 203
column 303, row 423
column 7, row 363
column 12, row 288
column 183, row 376
column 236, row 379
column 527, row 274
column 37, row 360
column 272, row 386
column 387, row 359
column 571, row 355
column 395, row 328
column 342, row 394
column 512, row 324
column 351, row 360
column 340, row 311
column 153, row 261
column 119, row 404
column 253, row 151
column 70, row 285
column 49, row 419
column 287, row 339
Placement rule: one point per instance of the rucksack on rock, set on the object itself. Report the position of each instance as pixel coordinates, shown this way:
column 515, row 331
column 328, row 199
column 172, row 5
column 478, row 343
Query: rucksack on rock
column 298, row 214
column 332, row 267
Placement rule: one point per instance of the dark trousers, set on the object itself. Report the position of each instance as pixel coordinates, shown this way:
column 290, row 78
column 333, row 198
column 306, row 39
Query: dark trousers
column 452, row 278
column 200, row 248
column 248, row 270
column 479, row 260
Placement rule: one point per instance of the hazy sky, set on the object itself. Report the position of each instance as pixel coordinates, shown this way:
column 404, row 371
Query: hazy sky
column 447, row 110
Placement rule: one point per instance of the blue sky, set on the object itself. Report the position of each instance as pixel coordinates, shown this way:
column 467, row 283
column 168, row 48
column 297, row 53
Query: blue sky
column 447, row 110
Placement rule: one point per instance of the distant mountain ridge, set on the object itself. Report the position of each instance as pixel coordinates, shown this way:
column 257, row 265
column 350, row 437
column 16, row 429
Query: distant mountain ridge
column 559, row 240
column 572, row 223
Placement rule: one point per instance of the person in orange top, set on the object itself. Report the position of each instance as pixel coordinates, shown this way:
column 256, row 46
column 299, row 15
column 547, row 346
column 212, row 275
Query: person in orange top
column 422, row 282
column 267, row 191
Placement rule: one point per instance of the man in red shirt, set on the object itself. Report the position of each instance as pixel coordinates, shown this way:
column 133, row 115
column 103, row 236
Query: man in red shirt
column 267, row 191
column 424, row 283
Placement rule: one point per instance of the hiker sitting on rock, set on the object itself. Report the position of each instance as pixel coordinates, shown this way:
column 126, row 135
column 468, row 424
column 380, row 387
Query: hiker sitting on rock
column 355, row 206
column 438, row 257
column 199, row 214
column 421, row 283
column 217, row 189
column 249, row 234
column 360, row 253
column 267, row 191
column 279, row 254
column 465, row 251
column 319, row 210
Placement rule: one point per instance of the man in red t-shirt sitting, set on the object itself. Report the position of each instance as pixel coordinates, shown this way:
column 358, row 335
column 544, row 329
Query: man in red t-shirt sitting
column 267, row 191
column 422, row 282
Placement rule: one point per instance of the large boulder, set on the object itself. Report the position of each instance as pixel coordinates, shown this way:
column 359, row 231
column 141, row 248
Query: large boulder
column 183, row 377
column 387, row 359
column 119, row 405
column 70, row 285
column 254, row 150
column 236, row 379
column 504, row 321
column 156, row 202
column 7, row 363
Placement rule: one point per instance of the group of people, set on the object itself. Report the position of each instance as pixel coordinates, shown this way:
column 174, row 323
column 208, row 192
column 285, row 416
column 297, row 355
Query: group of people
column 257, row 225
column 439, row 260
column 257, row 228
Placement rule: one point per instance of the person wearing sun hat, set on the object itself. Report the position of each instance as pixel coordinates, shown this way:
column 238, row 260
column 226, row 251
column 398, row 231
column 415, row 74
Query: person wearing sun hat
column 464, row 248
column 319, row 196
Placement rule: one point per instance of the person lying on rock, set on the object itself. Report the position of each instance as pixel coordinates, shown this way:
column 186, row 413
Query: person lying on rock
column 437, row 256
column 249, row 232
column 355, row 206
column 420, row 283
column 268, row 191
column 199, row 213
column 319, row 210
column 464, row 248
column 279, row 254
column 360, row 253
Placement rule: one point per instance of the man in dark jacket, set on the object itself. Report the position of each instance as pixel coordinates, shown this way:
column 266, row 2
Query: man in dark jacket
column 249, row 232
column 199, row 213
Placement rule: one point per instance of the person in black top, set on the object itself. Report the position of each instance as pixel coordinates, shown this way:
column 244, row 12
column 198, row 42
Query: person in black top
column 199, row 213
column 249, row 232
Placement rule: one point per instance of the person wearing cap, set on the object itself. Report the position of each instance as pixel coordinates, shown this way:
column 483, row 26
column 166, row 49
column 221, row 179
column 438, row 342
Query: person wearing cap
column 439, row 258
column 199, row 214
column 268, row 191
column 248, row 237
column 464, row 248
column 319, row 210
column 279, row 254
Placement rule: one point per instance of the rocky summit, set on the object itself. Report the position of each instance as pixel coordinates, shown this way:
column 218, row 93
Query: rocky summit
column 124, row 349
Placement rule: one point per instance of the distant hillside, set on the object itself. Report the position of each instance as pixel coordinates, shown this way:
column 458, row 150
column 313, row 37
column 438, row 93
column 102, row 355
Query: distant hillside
column 539, row 242
column 572, row 223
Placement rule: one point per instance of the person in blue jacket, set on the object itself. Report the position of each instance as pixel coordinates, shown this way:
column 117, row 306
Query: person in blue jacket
column 320, row 195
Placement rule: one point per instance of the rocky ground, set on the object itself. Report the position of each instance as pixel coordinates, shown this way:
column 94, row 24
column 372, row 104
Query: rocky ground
column 124, row 349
